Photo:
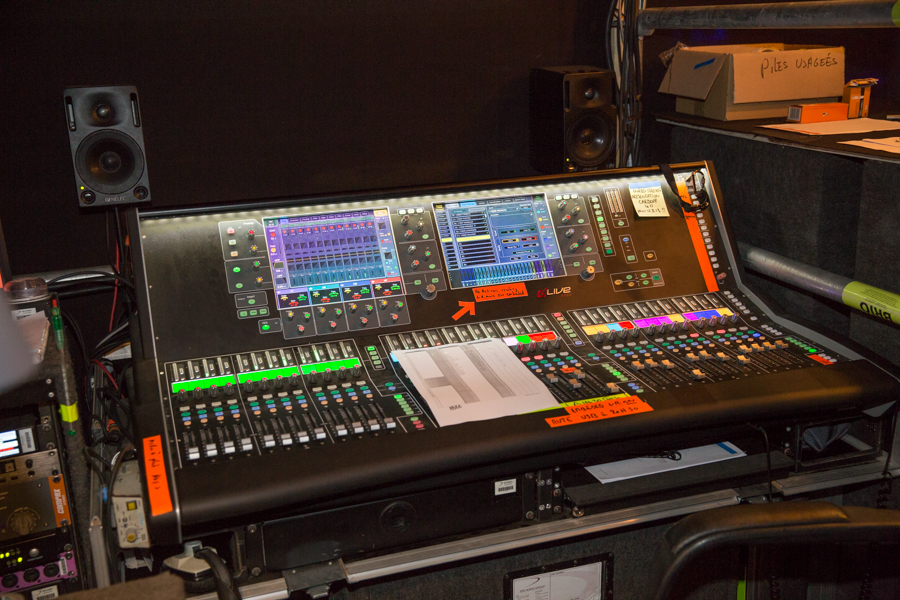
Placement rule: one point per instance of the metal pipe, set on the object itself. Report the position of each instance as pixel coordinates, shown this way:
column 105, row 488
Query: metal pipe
column 869, row 299
column 819, row 14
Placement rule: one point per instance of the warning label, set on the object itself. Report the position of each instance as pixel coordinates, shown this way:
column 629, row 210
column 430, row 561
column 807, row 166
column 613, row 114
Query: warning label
column 596, row 411
column 499, row 292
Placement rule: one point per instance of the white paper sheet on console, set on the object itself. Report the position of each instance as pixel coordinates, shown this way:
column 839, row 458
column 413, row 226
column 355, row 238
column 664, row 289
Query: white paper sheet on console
column 474, row 381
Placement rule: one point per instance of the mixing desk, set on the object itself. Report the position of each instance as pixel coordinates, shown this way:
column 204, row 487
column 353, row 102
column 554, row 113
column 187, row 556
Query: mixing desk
column 270, row 398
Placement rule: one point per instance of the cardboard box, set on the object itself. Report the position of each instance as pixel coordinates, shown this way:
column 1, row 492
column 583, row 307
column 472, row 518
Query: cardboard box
column 753, row 81
column 856, row 95
column 817, row 113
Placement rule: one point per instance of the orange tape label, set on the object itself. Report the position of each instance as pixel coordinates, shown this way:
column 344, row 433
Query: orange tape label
column 597, row 411
column 60, row 502
column 697, row 240
column 820, row 359
column 500, row 292
column 157, row 481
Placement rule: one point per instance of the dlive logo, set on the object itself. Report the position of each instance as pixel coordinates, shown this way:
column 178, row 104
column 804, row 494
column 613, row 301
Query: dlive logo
column 554, row 292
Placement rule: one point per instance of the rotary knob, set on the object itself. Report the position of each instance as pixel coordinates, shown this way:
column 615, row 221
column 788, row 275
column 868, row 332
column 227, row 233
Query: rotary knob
column 561, row 206
column 569, row 233
column 404, row 219
column 587, row 273
column 429, row 292
column 251, row 234
column 566, row 219
column 420, row 225
column 382, row 304
column 414, row 265
column 322, row 310
column 352, row 307
column 576, row 210
column 411, row 249
column 363, row 321
column 573, row 247
column 408, row 234
column 584, row 238
column 23, row 521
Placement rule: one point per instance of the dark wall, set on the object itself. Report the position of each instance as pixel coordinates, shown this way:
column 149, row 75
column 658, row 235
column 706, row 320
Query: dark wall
column 247, row 100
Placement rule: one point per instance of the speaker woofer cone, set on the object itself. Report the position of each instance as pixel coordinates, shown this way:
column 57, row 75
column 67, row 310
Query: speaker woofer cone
column 109, row 161
column 591, row 138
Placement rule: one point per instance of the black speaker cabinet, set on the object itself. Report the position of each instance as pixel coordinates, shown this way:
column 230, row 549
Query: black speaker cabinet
column 572, row 119
column 107, row 144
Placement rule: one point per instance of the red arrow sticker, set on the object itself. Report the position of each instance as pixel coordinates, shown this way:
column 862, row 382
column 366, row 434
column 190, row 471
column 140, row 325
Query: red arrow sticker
column 467, row 307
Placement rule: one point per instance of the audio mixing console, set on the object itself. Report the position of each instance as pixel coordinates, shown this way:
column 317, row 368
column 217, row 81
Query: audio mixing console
column 269, row 393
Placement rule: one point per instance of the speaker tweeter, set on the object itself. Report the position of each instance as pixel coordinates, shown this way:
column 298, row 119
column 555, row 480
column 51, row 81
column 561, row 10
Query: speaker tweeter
column 572, row 119
column 107, row 144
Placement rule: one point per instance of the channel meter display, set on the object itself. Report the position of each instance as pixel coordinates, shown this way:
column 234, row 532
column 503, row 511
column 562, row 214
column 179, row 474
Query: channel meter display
column 498, row 240
column 332, row 257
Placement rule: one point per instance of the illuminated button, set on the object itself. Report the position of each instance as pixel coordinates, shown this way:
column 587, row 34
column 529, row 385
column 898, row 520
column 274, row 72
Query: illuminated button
column 230, row 231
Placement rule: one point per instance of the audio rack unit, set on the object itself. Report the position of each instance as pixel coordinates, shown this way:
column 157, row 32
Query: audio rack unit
column 270, row 406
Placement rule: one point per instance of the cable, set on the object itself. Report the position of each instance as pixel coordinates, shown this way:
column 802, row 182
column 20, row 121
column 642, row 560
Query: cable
column 225, row 585
column 765, row 436
column 105, row 370
column 124, row 281
column 112, row 314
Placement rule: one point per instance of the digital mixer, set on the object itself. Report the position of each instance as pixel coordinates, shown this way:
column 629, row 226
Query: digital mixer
column 270, row 397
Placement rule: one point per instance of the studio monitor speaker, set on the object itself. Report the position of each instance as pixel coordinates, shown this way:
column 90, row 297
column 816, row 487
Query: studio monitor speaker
column 107, row 144
column 572, row 119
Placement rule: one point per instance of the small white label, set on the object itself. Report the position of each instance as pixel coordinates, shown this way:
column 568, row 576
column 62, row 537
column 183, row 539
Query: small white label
column 23, row 312
column 648, row 199
column 26, row 436
column 63, row 566
column 45, row 594
column 507, row 486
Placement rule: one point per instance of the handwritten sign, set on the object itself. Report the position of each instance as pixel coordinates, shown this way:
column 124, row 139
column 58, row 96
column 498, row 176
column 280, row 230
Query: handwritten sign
column 157, row 480
column 500, row 292
column 597, row 411
column 648, row 199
